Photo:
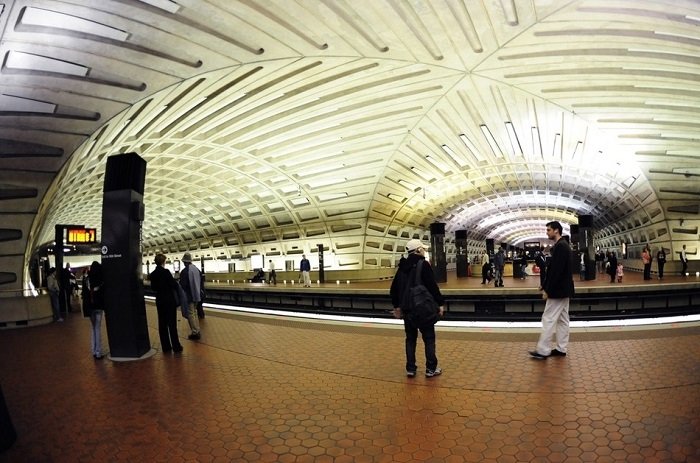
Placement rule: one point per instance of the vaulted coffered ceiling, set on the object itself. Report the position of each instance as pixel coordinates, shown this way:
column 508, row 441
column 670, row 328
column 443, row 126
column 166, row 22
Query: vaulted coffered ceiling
column 270, row 126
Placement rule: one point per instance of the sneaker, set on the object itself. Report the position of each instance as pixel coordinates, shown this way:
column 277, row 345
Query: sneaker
column 557, row 353
column 431, row 373
column 536, row 355
column 410, row 374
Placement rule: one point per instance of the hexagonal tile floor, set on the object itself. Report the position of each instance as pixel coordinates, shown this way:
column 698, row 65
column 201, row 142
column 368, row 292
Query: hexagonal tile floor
column 265, row 389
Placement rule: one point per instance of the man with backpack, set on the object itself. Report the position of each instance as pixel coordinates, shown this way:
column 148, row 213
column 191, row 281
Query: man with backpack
column 404, row 281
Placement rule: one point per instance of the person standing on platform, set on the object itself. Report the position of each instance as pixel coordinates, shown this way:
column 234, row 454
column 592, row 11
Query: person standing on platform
column 661, row 261
column 190, row 280
column 54, row 294
column 305, row 269
column 485, row 268
column 165, row 287
column 541, row 262
column 646, row 260
column 273, row 275
column 66, row 287
column 85, row 293
column 612, row 266
column 499, row 263
column 97, row 304
column 557, row 290
column 416, row 252
column 684, row 262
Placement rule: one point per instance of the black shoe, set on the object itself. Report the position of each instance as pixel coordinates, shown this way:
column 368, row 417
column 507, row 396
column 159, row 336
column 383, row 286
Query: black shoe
column 557, row 353
column 168, row 350
column 536, row 355
column 194, row 336
column 177, row 350
column 98, row 356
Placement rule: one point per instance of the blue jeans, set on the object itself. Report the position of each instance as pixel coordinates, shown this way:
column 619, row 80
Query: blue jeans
column 96, row 341
column 428, row 334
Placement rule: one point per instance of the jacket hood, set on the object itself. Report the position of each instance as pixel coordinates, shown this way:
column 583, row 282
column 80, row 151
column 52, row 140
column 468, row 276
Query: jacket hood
column 406, row 263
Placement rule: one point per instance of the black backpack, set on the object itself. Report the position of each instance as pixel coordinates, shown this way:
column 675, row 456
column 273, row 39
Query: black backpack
column 417, row 304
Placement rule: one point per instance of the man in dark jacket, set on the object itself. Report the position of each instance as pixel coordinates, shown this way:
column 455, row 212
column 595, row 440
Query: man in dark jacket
column 499, row 262
column 416, row 252
column 165, row 286
column 557, row 289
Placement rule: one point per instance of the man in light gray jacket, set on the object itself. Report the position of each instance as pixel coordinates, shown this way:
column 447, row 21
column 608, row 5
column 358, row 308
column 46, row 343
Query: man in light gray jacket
column 190, row 280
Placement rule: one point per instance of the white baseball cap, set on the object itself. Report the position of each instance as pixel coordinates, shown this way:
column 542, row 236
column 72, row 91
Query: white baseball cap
column 414, row 244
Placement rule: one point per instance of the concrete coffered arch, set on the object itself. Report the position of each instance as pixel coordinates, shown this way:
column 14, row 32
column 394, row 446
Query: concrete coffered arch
column 278, row 125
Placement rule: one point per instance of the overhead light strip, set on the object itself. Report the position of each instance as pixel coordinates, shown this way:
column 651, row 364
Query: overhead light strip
column 472, row 148
column 514, row 142
column 454, row 156
column 167, row 5
column 491, row 141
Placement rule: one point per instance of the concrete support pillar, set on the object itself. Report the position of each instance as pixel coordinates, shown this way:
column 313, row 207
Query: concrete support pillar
column 122, row 216
column 585, row 244
column 438, row 260
column 461, row 246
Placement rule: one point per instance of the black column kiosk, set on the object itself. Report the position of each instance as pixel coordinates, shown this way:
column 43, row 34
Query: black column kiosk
column 438, row 260
column 461, row 245
column 122, row 216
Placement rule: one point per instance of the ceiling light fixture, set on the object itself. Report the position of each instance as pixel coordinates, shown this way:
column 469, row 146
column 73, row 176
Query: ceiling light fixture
column 536, row 142
column 167, row 5
column 408, row 185
column 514, row 142
column 579, row 144
column 421, row 174
column 491, row 141
column 457, row 159
column 557, row 140
column 472, row 148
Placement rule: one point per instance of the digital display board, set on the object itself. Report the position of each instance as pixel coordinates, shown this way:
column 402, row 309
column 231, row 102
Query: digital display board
column 81, row 235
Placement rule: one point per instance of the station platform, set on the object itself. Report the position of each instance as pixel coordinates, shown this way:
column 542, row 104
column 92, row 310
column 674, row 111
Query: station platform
column 467, row 299
column 266, row 388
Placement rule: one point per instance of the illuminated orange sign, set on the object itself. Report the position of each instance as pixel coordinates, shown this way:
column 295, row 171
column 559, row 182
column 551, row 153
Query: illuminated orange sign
column 81, row 235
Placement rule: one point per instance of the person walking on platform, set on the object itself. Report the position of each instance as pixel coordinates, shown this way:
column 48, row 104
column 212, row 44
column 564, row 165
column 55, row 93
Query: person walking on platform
column 646, row 260
column 684, row 262
column 416, row 253
column 165, row 287
column 557, row 290
column 190, row 280
column 305, row 269
column 661, row 261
